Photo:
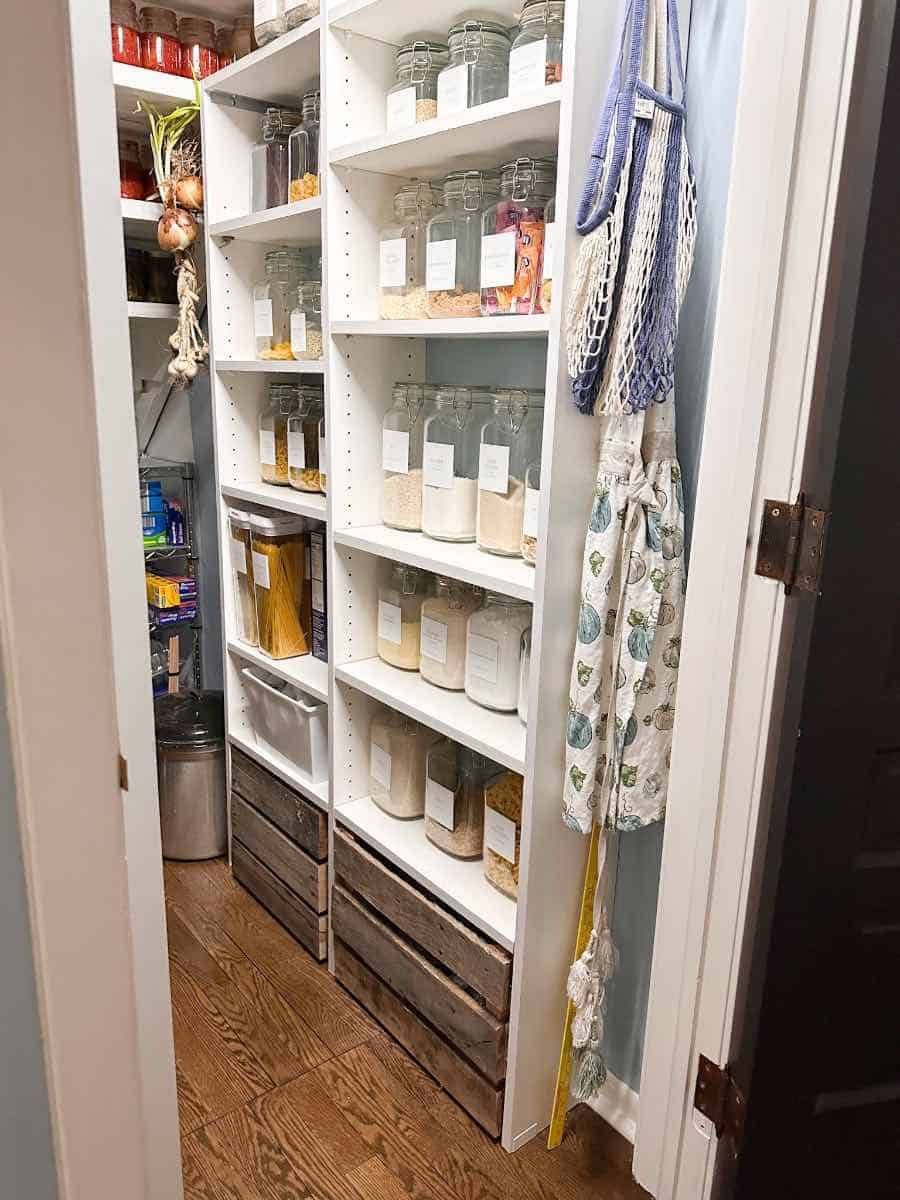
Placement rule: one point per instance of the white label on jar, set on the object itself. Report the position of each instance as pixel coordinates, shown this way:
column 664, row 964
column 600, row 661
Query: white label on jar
column 298, row 333
column 392, row 263
column 296, row 449
column 440, row 804
column 395, row 451
column 440, row 266
column 532, row 510
column 264, row 10
column 437, row 465
column 239, row 555
column 453, row 90
column 317, row 559
column 380, row 766
column 483, row 657
column 549, row 236
column 389, row 622
column 262, row 318
column 318, row 596
column 500, row 834
column 434, row 640
column 267, row 447
column 260, row 570
column 401, row 109
column 498, row 259
column 493, row 468
column 528, row 68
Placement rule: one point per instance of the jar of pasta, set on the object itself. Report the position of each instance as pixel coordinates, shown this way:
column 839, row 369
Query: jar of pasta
column 478, row 70
column 402, row 253
column 269, row 163
column 274, row 299
column 398, row 749
column 303, row 152
column 445, row 616
column 278, row 548
column 512, row 238
column 303, row 442
column 503, row 832
column 493, row 651
column 510, row 440
column 242, row 577
column 413, row 98
column 536, row 56
column 401, row 455
column 400, row 600
column 306, row 321
column 450, row 452
column 273, row 432
column 455, row 782
column 453, row 252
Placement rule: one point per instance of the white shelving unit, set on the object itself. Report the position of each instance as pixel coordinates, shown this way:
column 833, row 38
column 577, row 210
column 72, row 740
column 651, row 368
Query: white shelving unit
column 142, row 310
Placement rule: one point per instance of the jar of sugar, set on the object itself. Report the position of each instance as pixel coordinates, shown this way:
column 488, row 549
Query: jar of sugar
column 493, row 649
column 510, row 440
column 450, row 462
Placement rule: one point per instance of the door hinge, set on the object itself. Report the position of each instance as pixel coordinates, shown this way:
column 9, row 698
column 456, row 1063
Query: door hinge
column 123, row 773
column 718, row 1097
column 792, row 544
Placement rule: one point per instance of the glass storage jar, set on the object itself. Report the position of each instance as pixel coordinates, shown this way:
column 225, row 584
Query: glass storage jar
column 132, row 176
column 400, row 600
column 535, row 59
column 274, row 299
column 323, row 455
column 269, row 167
column 547, row 261
column 413, row 98
column 493, row 647
column 402, row 253
column 510, row 440
column 512, row 238
column 136, row 273
column 524, row 676
column 398, row 750
column 445, row 616
column 455, row 781
column 531, row 512
column 303, row 152
column 242, row 577
column 503, row 832
column 162, row 287
column 126, row 42
column 478, row 70
column 160, row 47
column 453, row 250
column 452, row 436
column 268, row 20
column 242, row 40
column 402, row 436
column 298, row 11
column 225, row 45
column 306, row 321
column 303, row 441
column 198, row 47
column 278, row 549
column 273, row 443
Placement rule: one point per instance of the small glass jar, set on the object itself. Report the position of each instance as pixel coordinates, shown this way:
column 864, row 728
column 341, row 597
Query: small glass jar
column 547, row 260
column 400, row 600
column 160, row 47
column 402, row 253
column 510, row 440
column 126, row 42
column 278, row 549
column 398, row 751
column 512, row 238
column 445, row 616
column 303, row 152
column 274, row 299
column 132, row 176
column 269, row 166
column 402, row 434
column 536, row 56
column 199, row 56
column 478, row 70
column 453, row 250
column 162, row 286
column 524, row 676
column 323, row 455
column 413, row 98
column 298, row 11
column 493, row 648
column 242, row 577
column 225, row 46
column 503, row 832
column 242, row 40
column 450, row 452
column 306, row 322
column 455, row 782
column 136, row 273
column 531, row 512
column 269, row 21
column 303, row 441
column 273, row 433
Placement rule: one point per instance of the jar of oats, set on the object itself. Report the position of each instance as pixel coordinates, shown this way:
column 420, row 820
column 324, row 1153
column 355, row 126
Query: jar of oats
column 503, row 832
column 413, row 98
column 453, row 253
column 400, row 600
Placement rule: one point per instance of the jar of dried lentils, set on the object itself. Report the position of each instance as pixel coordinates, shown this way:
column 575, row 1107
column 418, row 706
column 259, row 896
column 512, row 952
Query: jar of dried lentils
column 198, row 47
column 126, row 43
column 303, row 441
column 402, row 253
column 512, row 238
column 160, row 47
column 413, row 98
column 453, row 252
column 273, row 432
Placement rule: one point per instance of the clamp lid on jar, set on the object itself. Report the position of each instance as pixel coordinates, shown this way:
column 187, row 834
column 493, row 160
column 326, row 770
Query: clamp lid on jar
column 456, row 593
column 511, row 407
column 474, row 34
column 311, row 105
column 544, row 11
column 412, row 397
column 471, row 189
column 277, row 123
column 284, row 396
column 460, row 400
column 309, row 296
column 408, row 580
column 417, row 196
column 419, row 59
column 526, row 177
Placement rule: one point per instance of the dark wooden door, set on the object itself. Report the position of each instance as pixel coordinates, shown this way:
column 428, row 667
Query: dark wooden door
column 823, row 1083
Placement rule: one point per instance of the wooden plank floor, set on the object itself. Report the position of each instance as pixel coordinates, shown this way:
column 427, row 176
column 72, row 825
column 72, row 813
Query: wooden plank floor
column 287, row 1090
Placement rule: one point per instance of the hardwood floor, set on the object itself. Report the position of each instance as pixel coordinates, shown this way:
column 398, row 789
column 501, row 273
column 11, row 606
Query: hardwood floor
column 287, row 1090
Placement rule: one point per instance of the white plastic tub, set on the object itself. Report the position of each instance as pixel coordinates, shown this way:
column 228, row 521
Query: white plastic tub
column 288, row 723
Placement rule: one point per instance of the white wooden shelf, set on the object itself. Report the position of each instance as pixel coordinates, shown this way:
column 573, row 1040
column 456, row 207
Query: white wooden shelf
column 458, row 883
column 140, row 218
column 297, row 224
column 307, row 673
column 499, row 736
column 317, row 792
column 459, row 560
column 131, row 83
column 144, row 310
column 461, row 327
column 257, row 366
column 278, row 72
column 285, row 499
column 481, row 137
column 390, row 21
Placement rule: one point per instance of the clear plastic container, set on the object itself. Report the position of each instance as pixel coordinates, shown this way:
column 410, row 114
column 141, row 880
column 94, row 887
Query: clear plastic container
column 198, row 47
column 269, row 20
column 512, row 238
column 306, row 322
column 269, row 164
column 453, row 251
column 510, row 440
column 413, row 98
column 531, row 512
column 493, row 651
column 160, row 47
column 401, row 455
column 298, row 11
column 278, row 546
column 126, row 41
column 450, row 453
column 303, row 442
column 273, row 438
column 303, row 152
column 536, row 55
column 398, row 751
column 402, row 253
column 503, row 832
column 548, row 264
column 400, row 600
column 242, row 577
column 478, row 70
column 445, row 617
column 455, row 783
column 274, row 299
column 524, row 676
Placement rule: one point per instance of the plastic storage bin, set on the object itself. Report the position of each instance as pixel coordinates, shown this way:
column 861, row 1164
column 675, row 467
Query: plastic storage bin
column 288, row 723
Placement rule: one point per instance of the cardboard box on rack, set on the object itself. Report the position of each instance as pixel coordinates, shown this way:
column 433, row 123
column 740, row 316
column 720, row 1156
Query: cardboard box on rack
column 168, row 591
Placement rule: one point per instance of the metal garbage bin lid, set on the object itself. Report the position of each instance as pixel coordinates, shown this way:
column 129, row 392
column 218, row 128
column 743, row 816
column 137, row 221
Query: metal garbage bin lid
column 190, row 718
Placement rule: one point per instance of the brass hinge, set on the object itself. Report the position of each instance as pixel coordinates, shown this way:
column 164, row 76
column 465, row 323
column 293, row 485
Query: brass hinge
column 123, row 773
column 792, row 544
column 718, row 1097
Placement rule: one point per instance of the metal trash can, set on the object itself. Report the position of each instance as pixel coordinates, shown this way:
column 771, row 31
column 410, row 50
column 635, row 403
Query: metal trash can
column 190, row 760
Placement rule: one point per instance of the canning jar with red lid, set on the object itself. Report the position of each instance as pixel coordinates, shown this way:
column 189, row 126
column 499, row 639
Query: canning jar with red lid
column 126, row 46
column 198, row 47
column 160, row 47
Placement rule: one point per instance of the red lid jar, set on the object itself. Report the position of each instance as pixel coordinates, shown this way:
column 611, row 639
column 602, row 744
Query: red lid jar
column 198, row 47
column 160, row 47
column 126, row 46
